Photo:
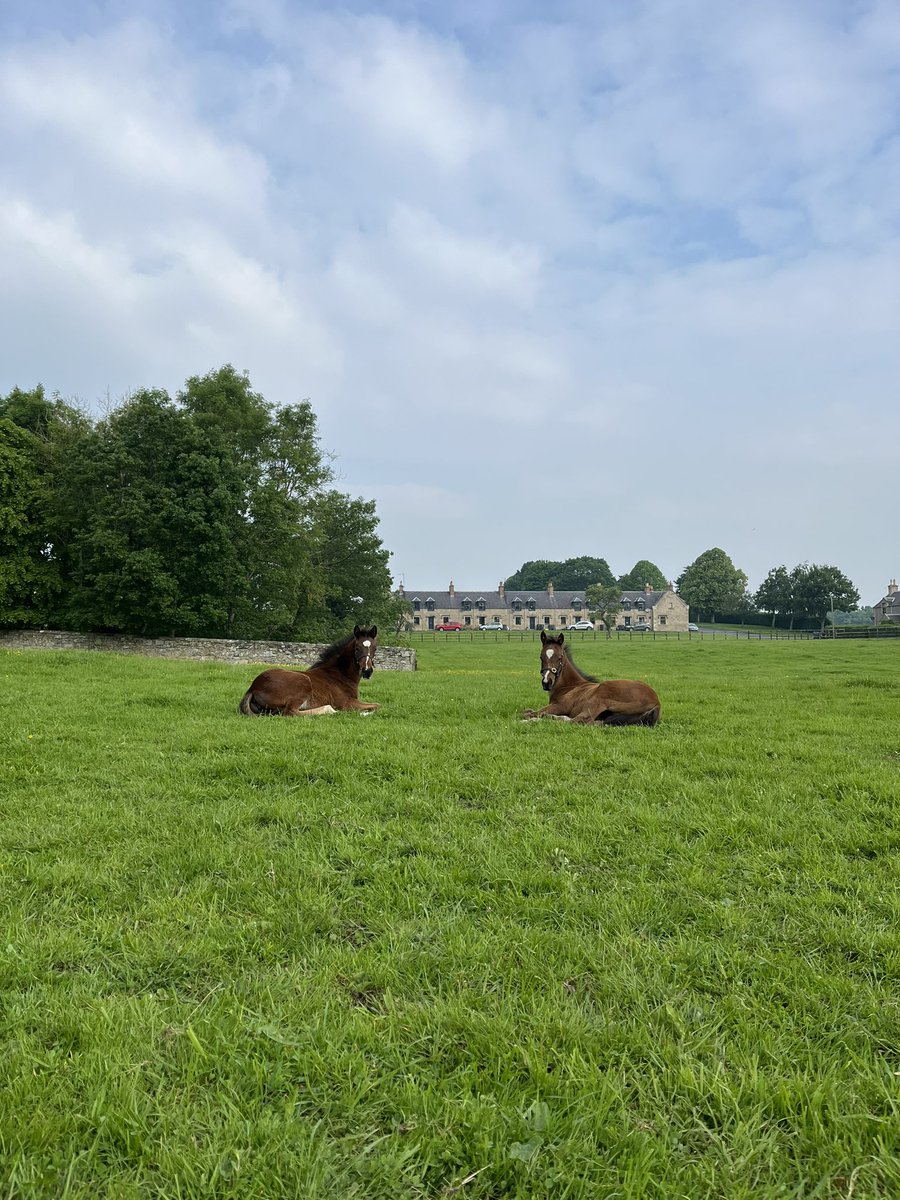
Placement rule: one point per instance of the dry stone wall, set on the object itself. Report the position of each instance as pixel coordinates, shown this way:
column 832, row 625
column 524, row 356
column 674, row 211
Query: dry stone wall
column 291, row 654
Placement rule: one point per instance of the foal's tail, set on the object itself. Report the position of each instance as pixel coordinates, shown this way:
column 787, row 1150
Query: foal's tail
column 251, row 707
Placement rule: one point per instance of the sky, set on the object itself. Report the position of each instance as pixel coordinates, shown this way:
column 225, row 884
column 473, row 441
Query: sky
column 582, row 278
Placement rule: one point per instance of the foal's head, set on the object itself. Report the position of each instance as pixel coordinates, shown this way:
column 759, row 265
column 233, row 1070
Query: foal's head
column 364, row 647
column 553, row 659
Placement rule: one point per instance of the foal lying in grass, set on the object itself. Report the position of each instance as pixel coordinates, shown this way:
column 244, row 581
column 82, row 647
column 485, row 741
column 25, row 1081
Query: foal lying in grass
column 575, row 696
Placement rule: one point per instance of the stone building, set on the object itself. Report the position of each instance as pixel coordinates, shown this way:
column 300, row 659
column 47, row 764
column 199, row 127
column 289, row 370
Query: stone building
column 523, row 608
column 888, row 607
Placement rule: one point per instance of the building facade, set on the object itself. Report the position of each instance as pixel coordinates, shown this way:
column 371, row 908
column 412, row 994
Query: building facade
column 662, row 611
column 888, row 607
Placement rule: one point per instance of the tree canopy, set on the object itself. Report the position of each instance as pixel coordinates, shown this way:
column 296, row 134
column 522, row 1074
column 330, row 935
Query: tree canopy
column 572, row 574
column 809, row 590
column 210, row 514
column 711, row 584
column 642, row 573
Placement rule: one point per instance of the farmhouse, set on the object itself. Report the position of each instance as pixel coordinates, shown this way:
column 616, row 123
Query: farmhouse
column 888, row 607
column 542, row 609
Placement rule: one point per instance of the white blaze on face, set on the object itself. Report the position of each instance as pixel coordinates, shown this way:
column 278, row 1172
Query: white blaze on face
column 367, row 644
column 547, row 673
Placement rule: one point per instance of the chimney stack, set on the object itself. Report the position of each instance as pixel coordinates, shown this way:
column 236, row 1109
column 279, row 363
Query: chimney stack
column 452, row 589
column 550, row 591
column 647, row 589
column 892, row 587
column 501, row 589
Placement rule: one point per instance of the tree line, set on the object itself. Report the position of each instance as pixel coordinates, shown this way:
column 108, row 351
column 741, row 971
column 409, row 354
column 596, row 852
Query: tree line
column 212, row 514
column 711, row 585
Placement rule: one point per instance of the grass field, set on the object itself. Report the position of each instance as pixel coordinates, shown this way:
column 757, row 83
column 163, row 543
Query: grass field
column 442, row 953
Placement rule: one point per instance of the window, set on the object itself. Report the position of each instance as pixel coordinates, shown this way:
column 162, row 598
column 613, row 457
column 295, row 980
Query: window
column 518, row 620
column 466, row 605
column 415, row 620
column 576, row 604
column 626, row 604
column 531, row 604
column 640, row 605
column 481, row 604
column 546, row 620
column 446, row 620
column 662, row 620
column 417, row 604
column 481, row 620
column 468, row 620
column 517, row 605
column 429, row 605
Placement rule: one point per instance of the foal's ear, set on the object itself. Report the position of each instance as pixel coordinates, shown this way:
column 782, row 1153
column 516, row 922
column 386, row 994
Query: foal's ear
column 543, row 637
column 357, row 632
column 373, row 632
column 560, row 639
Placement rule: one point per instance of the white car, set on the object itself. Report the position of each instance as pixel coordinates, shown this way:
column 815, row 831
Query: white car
column 692, row 628
column 492, row 627
column 582, row 625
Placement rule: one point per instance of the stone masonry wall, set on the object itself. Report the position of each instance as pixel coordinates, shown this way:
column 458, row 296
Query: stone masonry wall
column 292, row 654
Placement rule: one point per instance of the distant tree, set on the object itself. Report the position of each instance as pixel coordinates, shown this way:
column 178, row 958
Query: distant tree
column 642, row 573
column 775, row 594
column 711, row 584
column 604, row 602
column 818, row 587
column 571, row 574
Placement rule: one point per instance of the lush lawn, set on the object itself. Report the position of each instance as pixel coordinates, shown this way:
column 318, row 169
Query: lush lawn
column 441, row 952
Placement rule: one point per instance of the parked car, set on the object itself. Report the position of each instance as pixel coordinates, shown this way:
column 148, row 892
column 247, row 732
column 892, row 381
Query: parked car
column 639, row 627
column 582, row 625
column 449, row 627
column 492, row 627
column 692, row 628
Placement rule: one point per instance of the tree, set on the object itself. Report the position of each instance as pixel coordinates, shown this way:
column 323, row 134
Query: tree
column 775, row 594
column 819, row 588
column 571, row 574
column 604, row 602
column 712, row 584
column 642, row 573
column 34, row 431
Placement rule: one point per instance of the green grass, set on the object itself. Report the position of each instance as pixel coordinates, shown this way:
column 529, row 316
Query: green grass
column 441, row 952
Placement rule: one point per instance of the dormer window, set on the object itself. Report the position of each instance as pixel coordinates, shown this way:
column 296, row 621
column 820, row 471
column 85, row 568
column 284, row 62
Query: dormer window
column 481, row 604
column 417, row 604
column 429, row 604
column 576, row 604
column 640, row 605
column 626, row 604
column 517, row 605
column 531, row 604
column 466, row 605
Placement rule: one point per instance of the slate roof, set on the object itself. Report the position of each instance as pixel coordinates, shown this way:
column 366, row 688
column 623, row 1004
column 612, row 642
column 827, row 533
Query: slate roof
column 492, row 598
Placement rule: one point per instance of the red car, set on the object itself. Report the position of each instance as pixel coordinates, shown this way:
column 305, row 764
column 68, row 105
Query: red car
column 449, row 627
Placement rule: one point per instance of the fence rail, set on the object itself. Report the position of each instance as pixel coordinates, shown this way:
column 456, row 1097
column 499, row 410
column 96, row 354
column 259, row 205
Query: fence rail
column 652, row 635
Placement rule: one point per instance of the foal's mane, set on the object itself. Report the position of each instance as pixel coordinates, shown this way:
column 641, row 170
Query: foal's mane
column 333, row 652
column 578, row 670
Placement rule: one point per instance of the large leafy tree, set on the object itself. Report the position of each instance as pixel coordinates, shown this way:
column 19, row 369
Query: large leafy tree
column 570, row 574
column 209, row 514
column 819, row 588
column 34, row 433
column 712, row 583
column 642, row 573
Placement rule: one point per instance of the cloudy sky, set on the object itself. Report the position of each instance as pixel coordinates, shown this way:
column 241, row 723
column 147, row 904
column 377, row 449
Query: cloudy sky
column 559, row 279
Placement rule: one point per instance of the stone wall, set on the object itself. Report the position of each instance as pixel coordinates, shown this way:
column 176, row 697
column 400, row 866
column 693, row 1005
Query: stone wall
column 293, row 654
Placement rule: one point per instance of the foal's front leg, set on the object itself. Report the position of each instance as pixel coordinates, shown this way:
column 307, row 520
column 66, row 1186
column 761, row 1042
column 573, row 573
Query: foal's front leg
column 551, row 710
